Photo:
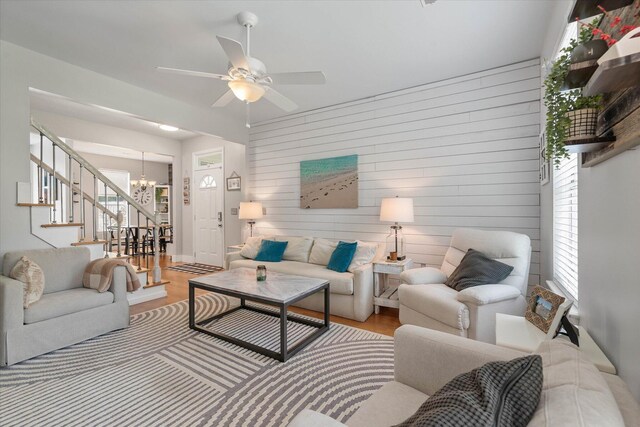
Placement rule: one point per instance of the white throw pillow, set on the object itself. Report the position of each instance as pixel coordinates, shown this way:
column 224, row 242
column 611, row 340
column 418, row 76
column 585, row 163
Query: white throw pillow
column 574, row 392
column 321, row 251
column 252, row 246
column 365, row 254
column 29, row 273
column 298, row 248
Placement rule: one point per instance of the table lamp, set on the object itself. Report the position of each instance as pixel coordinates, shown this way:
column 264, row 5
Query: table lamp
column 251, row 211
column 396, row 210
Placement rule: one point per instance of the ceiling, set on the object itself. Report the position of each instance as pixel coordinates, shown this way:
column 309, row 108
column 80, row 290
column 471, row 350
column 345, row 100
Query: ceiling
column 60, row 105
column 364, row 47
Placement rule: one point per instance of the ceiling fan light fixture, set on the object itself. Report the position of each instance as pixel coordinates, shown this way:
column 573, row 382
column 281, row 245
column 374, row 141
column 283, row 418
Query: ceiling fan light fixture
column 246, row 90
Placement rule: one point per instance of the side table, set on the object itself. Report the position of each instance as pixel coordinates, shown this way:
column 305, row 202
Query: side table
column 385, row 295
column 518, row 333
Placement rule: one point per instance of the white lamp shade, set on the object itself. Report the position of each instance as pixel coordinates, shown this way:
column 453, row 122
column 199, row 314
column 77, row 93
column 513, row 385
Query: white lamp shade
column 396, row 209
column 250, row 210
column 245, row 90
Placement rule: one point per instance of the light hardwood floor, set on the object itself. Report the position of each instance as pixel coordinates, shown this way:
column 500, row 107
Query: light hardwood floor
column 384, row 323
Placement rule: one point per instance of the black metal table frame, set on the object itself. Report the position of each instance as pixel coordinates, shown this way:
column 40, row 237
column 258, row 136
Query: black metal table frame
column 285, row 352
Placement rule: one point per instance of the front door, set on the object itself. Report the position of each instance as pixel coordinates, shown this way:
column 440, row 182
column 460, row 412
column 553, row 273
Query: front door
column 208, row 210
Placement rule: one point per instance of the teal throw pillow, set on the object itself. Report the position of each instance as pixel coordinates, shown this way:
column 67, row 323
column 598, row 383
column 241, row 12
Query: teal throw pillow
column 271, row 251
column 342, row 256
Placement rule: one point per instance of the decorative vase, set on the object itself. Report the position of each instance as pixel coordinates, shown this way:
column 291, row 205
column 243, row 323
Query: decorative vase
column 261, row 273
column 583, row 125
column 589, row 51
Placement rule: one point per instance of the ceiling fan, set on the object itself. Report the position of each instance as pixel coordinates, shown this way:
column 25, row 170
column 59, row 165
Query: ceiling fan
column 247, row 77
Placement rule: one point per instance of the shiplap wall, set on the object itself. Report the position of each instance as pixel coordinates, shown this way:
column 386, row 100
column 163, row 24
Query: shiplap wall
column 465, row 149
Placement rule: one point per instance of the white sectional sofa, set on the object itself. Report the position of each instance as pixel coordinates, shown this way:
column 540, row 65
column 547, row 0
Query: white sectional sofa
column 351, row 291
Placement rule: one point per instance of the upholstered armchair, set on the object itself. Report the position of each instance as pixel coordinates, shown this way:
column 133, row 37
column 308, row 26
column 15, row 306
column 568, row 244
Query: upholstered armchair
column 426, row 301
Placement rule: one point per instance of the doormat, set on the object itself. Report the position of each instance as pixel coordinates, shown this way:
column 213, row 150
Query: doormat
column 196, row 268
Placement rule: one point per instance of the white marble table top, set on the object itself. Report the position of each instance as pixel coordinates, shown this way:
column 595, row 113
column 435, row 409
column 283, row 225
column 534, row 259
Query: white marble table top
column 278, row 288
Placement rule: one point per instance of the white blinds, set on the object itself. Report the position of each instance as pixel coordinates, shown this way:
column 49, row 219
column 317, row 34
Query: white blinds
column 565, row 225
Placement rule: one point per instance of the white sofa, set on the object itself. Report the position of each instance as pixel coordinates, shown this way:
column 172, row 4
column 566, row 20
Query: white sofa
column 351, row 292
column 426, row 301
column 574, row 392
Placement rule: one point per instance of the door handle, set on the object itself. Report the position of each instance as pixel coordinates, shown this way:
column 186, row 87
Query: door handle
column 220, row 216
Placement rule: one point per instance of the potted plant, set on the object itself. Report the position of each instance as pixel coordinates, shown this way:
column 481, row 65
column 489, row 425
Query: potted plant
column 571, row 118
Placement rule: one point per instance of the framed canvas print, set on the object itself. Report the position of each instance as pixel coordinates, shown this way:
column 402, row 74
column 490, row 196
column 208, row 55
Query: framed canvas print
column 329, row 183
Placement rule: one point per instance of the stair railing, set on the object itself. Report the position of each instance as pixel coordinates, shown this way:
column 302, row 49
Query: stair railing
column 53, row 181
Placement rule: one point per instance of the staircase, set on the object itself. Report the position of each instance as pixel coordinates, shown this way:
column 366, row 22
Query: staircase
column 73, row 204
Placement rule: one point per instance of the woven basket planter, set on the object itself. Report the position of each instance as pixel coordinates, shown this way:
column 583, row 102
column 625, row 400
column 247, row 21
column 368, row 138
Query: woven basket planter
column 583, row 124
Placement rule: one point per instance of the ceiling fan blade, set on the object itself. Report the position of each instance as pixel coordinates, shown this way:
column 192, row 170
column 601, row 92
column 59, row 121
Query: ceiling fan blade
column 234, row 52
column 279, row 100
column 226, row 98
column 193, row 73
column 301, row 78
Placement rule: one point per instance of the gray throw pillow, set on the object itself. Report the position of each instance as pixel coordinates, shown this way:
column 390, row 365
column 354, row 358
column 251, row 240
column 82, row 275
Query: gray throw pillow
column 477, row 269
column 502, row 394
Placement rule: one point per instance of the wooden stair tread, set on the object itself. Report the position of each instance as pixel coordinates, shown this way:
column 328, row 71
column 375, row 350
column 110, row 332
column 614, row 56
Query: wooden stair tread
column 142, row 270
column 62, row 224
column 160, row 283
column 89, row 242
column 44, row 205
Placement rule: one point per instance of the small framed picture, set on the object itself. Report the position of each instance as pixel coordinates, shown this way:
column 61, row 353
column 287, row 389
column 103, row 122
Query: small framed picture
column 545, row 309
column 234, row 182
column 545, row 161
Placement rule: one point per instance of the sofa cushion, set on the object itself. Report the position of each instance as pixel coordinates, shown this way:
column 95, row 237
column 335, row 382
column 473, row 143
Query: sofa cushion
column 251, row 247
column 298, row 248
column 477, row 269
column 321, row 251
column 340, row 283
column 391, row 404
column 29, row 273
column 574, row 392
column 56, row 304
column 271, row 251
column 499, row 393
column 63, row 267
column 342, row 256
column 365, row 254
column 439, row 300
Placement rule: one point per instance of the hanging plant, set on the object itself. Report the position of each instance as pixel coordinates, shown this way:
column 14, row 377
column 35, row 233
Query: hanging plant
column 559, row 102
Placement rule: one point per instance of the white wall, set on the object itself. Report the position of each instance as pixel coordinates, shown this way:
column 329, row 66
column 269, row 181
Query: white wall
column 466, row 150
column 609, row 254
column 21, row 69
column 234, row 160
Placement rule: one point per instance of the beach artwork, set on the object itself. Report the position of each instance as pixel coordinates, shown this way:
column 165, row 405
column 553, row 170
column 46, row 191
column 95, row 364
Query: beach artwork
column 329, row 183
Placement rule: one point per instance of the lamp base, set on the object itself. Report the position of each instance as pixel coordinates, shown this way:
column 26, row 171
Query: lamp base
column 400, row 258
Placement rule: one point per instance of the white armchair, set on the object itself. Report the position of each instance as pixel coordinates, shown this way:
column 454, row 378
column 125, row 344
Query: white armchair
column 426, row 301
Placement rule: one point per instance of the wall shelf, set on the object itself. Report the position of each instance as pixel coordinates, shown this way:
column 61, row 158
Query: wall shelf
column 579, row 74
column 615, row 74
column 587, row 8
column 588, row 145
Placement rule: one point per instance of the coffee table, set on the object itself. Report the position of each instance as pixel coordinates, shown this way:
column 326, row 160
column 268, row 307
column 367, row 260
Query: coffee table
column 279, row 290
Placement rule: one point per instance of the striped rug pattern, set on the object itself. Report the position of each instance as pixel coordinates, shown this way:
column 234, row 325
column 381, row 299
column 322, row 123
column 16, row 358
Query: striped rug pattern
column 196, row 268
column 158, row 372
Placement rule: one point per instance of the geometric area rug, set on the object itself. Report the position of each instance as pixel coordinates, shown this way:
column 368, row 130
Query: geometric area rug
column 158, row 372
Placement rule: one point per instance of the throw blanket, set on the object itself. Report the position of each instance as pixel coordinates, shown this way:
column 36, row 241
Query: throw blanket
column 99, row 274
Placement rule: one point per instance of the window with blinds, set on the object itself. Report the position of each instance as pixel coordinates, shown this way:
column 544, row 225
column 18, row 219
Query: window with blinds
column 565, row 225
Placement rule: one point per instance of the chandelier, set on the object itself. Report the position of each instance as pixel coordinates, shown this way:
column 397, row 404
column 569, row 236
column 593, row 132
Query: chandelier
column 142, row 183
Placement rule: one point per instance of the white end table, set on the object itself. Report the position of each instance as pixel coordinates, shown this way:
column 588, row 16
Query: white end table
column 518, row 333
column 385, row 295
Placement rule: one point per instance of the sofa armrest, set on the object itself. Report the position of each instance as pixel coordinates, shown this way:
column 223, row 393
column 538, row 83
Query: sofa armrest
column 119, row 284
column 309, row 418
column 363, row 292
column 426, row 359
column 487, row 294
column 11, row 311
column 423, row 276
column 231, row 256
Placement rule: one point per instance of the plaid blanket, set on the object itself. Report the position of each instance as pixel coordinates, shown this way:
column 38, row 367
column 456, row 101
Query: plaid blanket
column 99, row 274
